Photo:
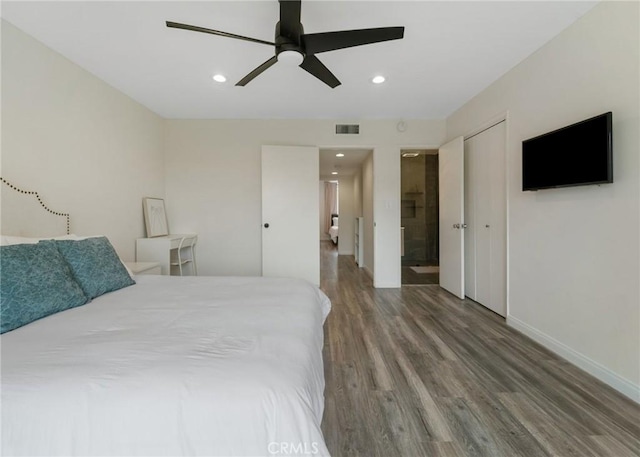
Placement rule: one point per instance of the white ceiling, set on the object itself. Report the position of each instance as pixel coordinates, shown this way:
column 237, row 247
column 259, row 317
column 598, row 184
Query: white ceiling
column 345, row 166
column 451, row 51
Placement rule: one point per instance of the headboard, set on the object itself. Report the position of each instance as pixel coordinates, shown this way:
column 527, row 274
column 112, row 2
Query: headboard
column 23, row 213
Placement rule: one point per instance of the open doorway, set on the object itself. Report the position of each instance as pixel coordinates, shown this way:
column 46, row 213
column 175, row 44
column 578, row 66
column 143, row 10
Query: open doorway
column 419, row 215
column 347, row 170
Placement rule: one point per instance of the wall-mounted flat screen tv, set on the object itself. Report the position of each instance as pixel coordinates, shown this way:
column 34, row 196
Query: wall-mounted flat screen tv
column 575, row 155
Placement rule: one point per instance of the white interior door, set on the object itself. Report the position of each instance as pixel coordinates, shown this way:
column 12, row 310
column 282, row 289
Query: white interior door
column 451, row 201
column 290, row 212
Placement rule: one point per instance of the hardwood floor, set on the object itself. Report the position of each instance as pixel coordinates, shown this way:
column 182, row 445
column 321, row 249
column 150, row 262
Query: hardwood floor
column 417, row 372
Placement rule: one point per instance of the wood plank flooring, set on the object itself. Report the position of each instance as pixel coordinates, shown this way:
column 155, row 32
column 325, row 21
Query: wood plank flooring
column 417, row 372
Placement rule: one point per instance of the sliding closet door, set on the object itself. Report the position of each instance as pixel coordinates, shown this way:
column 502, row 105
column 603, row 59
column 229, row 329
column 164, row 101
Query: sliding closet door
column 498, row 224
column 485, row 214
column 483, row 219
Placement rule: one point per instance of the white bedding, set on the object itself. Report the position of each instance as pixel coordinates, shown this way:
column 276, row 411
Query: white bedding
column 171, row 366
column 333, row 233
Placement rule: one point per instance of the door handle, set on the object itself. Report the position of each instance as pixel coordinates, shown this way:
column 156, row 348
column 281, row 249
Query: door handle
column 463, row 226
column 456, row 226
column 266, row 225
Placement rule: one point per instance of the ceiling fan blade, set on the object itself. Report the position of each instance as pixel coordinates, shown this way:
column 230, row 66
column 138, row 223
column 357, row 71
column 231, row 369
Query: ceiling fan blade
column 315, row 43
column 247, row 79
column 290, row 18
column 313, row 65
column 194, row 28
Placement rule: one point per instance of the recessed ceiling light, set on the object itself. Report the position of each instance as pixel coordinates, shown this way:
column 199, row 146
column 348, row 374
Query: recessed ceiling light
column 378, row 79
column 219, row 78
column 334, row 172
column 339, row 154
column 410, row 154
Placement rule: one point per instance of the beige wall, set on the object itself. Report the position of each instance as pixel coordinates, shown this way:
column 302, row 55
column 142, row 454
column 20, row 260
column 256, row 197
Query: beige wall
column 84, row 146
column 574, row 253
column 322, row 232
column 367, row 214
column 213, row 178
column 357, row 194
column 347, row 216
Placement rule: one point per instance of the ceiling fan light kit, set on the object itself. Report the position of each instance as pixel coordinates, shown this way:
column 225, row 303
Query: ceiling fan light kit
column 291, row 58
column 294, row 47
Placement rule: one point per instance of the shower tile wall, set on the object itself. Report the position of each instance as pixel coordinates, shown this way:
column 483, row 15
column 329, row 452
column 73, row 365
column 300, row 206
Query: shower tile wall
column 419, row 209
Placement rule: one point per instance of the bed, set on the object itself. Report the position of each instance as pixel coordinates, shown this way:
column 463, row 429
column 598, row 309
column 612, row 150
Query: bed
column 167, row 366
column 333, row 230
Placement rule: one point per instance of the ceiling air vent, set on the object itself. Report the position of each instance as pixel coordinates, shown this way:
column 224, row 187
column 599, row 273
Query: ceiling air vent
column 347, row 129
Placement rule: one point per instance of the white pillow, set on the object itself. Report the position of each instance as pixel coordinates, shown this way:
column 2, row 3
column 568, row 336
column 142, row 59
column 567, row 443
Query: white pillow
column 8, row 240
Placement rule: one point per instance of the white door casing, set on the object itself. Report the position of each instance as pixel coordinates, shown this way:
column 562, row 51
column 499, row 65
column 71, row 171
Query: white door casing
column 469, row 217
column 451, row 202
column 290, row 209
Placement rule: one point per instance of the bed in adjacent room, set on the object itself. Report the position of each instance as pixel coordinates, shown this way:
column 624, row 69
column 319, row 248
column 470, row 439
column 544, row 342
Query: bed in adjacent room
column 166, row 366
column 333, row 230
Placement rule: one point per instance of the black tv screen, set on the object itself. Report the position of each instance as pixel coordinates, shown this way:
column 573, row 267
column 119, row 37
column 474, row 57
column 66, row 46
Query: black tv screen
column 576, row 155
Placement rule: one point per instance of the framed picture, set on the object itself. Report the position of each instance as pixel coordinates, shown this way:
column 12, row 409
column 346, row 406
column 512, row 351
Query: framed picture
column 155, row 217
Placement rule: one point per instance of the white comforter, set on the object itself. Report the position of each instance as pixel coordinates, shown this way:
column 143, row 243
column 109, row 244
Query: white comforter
column 171, row 366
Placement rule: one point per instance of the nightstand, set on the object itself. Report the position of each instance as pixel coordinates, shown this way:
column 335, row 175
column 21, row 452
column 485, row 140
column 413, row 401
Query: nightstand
column 144, row 268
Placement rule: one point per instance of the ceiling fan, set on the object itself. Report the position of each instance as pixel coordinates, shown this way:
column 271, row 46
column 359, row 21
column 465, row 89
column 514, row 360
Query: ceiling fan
column 294, row 46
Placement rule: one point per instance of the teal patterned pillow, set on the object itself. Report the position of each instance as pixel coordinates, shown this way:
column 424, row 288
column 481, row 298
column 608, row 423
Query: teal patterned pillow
column 95, row 265
column 35, row 281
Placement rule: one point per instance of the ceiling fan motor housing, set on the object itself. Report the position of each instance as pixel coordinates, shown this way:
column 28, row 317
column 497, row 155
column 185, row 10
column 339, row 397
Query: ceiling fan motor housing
column 290, row 41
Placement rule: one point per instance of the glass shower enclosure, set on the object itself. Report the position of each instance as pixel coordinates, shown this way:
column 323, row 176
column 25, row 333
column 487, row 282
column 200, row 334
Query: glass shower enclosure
column 419, row 216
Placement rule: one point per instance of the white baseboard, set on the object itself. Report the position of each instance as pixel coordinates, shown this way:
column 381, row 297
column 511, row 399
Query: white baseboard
column 592, row 367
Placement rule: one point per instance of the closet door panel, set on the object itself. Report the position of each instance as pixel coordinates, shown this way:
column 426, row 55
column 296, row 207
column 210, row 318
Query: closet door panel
column 497, row 142
column 470, row 157
column 483, row 221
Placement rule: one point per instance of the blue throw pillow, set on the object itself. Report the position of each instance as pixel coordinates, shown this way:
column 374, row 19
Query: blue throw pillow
column 35, row 281
column 95, row 265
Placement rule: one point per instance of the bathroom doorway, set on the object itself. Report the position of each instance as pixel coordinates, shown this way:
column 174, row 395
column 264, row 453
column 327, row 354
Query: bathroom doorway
column 419, row 217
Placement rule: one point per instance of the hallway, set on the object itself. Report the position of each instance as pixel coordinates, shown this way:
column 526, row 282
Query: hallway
column 417, row 372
